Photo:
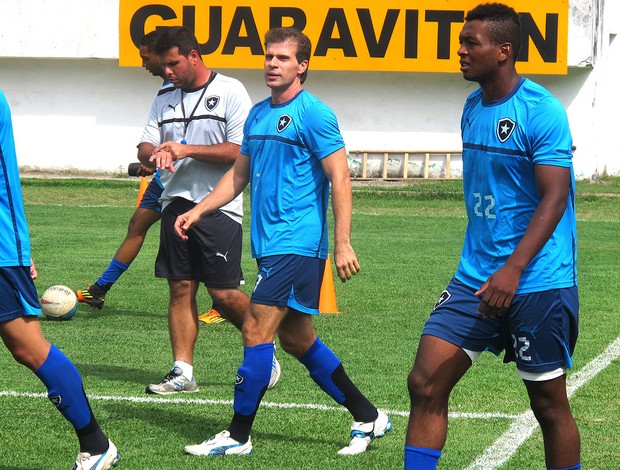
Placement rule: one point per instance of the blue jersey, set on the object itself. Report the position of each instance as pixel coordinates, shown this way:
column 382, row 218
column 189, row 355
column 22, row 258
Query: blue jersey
column 502, row 143
column 288, row 186
column 14, row 238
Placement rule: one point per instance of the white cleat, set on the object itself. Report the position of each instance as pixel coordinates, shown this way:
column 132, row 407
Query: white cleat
column 105, row 461
column 363, row 434
column 275, row 373
column 221, row 444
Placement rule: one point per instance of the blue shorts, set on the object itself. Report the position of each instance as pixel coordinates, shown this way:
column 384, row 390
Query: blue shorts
column 292, row 281
column 18, row 295
column 538, row 332
column 150, row 198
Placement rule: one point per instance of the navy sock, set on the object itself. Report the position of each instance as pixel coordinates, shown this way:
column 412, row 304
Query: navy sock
column 419, row 458
column 250, row 386
column 114, row 270
column 327, row 371
column 66, row 392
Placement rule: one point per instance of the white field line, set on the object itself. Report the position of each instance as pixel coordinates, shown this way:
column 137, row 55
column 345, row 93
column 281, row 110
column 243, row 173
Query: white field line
column 266, row 404
column 525, row 424
column 497, row 454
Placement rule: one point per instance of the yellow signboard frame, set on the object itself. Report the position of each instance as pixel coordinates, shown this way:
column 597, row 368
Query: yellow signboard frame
column 392, row 35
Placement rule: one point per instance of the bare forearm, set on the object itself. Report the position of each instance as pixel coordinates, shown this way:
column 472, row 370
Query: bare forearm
column 145, row 150
column 342, row 206
column 218, row 154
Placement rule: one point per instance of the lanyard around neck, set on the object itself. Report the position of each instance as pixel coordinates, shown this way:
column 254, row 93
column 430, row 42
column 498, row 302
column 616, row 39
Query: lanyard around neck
column 187, row 120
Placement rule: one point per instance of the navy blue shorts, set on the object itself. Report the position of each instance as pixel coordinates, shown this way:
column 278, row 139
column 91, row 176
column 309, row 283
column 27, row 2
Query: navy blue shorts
column 150, row 198
column 18, row 295
column 211, row 255
column 292, row 281
column 538, row 332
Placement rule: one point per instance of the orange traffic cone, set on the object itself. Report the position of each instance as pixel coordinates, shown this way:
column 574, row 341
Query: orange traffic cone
column 327, row 296
column 144, row 183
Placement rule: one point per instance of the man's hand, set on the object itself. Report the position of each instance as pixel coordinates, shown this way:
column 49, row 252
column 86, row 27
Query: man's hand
column 167, row 153
column 497, row 292
column 33, row 270
column 185, row 222
column 346, row 261
column 145, row 171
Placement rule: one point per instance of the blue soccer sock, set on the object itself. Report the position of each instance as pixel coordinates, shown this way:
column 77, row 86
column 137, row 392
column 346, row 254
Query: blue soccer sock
column 66, row 392
column 575, row 467
column 419, row 458
column 321, row 362
column 114, row 270
column 250, row 386
column 327, row 371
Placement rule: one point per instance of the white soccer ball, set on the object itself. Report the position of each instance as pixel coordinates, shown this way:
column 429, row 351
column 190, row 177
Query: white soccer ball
column 59, row 303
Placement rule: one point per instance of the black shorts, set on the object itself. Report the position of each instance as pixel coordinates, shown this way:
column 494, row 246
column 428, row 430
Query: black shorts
column 211, row 255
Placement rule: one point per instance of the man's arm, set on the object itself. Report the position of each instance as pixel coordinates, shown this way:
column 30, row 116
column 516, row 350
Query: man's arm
column 497, row 292
column 145, row 150
column 337, row 170
column 164, row 155
column 229, row 187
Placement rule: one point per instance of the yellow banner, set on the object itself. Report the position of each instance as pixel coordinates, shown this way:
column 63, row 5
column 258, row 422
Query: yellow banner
column 391, row 35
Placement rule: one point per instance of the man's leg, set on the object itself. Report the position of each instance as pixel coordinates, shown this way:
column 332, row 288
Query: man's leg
column 552, row 410
column 139, row 225
column 438, row 366
column 183, row 329
column 298, row 338
column 231, row 303
column 259, row 330
column 24, row 338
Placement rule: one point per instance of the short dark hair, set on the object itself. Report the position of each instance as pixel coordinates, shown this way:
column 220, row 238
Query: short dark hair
column 502, row 24
column 149, row 39
column 177, row 36
column 304, row 47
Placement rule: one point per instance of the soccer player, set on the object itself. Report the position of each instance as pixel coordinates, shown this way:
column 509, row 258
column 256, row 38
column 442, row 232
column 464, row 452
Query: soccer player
column 292, row 149
column 194, row 138
column 515, row 288
column 148, row 211
column 20, row 309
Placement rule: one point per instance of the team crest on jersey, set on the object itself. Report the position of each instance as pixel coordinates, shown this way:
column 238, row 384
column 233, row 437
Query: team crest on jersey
column 283, row 122
column 504, row 129
column 239, row 380
column 443, row 298
column 211, row 102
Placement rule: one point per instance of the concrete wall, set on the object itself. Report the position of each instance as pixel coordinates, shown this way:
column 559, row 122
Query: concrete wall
column 73, row 107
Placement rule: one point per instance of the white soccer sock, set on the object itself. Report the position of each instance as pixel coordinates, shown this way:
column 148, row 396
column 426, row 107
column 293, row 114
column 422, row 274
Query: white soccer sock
column 187, row 369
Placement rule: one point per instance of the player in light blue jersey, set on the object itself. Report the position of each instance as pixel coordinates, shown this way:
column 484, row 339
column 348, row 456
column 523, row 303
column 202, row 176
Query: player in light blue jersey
column 515, row 288
column 19, row 316
column 148, row 211
column 291, row 151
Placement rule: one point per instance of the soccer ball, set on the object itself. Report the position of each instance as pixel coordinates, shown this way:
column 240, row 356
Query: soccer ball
column 59, row 303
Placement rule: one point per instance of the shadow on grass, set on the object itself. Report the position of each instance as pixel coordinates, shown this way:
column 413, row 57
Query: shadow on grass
column 192, row 426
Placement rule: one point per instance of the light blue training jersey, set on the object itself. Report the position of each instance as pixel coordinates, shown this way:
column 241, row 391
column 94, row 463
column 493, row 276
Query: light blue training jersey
column 288, row 186
column 502, row 143
column 14, row 237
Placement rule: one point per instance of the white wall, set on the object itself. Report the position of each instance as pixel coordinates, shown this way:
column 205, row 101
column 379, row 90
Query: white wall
column 72, row 110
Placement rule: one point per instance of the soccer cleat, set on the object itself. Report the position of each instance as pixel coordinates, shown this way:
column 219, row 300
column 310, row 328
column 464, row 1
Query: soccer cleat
column 363, row 434
column 174, row 382
column 105, row 461
column 211, row 317
column 221, row 444
column 93, row 296
column 275, row 373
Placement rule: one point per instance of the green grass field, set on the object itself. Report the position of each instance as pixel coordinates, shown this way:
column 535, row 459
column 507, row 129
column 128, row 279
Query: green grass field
column 408, row 239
